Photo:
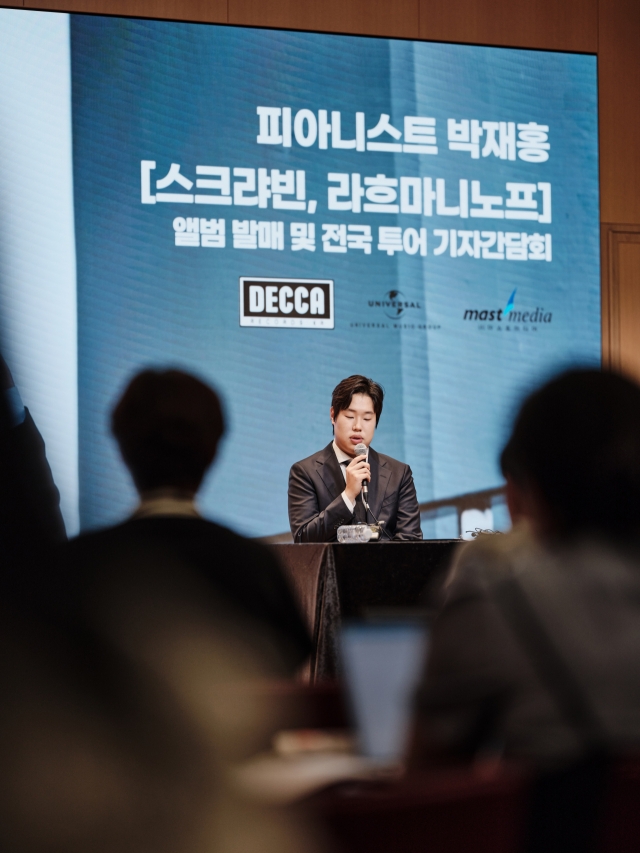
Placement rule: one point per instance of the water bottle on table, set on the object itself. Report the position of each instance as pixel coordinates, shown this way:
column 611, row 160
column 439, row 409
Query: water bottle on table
column 350, row 533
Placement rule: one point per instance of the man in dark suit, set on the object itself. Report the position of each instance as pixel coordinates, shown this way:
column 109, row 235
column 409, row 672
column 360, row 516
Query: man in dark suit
column 168, row 425
column 325, row 489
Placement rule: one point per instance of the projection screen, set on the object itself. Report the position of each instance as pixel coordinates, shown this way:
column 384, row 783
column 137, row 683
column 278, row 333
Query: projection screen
column 276, row 210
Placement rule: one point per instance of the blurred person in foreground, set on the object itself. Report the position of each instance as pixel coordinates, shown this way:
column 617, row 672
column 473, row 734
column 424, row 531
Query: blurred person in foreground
column 30, row 517
column 168, row 425
column 125, row 663
column 536, row 650
column 121, row 722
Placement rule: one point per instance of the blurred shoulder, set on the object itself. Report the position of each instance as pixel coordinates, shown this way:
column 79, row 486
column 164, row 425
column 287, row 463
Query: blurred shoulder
column 489, row 558
column 162, row 529
column 89, row 540
column 235, row 540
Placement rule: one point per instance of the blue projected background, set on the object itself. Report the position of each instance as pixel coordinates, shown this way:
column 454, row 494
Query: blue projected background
column 147, row 95
column 433, row 184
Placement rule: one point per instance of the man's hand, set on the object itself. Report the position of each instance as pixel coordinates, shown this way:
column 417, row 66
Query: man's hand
column 357, row 471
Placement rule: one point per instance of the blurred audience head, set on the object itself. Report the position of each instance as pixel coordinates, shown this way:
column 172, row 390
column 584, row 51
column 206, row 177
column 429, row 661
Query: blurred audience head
column 572, row 463
column 168, row 425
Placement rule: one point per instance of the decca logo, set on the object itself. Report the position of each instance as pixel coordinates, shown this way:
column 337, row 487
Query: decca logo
column 292, row 303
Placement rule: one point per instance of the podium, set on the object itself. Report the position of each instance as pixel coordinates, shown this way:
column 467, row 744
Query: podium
column 334, row 582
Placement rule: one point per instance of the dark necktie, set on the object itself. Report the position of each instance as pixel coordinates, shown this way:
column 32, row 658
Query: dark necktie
column 359, row 511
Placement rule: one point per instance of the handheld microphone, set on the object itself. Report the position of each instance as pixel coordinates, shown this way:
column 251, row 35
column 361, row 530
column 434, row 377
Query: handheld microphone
column 361, row 450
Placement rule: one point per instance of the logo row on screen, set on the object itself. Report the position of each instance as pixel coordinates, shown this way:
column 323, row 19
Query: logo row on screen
column 309, row 304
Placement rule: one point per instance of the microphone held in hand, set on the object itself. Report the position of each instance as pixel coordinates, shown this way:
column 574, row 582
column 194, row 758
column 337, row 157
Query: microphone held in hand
column 361, row 450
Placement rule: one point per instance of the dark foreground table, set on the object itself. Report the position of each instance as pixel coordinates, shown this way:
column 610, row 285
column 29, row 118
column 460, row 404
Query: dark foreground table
column 448, row 810
column 335, row 582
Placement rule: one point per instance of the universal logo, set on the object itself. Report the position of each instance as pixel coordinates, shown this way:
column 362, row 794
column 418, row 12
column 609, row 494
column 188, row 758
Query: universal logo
column 290, row 303
column 396, row 307
column 394, row 304
column 508, row 318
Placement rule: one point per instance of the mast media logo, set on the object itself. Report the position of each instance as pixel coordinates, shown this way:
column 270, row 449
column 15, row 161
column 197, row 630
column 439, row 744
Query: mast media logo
column 508, row 318
column 289, row 303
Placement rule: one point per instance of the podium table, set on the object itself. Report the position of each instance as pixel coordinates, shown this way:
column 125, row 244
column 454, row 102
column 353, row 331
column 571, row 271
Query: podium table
column 334, row 582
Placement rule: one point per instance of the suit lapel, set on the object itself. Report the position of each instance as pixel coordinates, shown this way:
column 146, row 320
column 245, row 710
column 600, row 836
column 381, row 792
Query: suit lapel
column 329, row 471
column 379, row 481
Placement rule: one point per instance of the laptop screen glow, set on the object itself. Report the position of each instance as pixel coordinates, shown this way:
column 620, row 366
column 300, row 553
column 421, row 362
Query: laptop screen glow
column 382, row 666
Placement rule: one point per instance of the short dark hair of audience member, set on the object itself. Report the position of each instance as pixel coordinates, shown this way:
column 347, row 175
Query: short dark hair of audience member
column 574, row 455
column 356, row 384
column 168, row 425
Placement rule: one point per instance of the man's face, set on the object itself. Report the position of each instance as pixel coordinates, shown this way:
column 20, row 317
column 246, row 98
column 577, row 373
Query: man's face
column 354, row 425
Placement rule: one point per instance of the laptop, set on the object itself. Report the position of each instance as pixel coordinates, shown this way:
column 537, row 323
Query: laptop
column 383, row 662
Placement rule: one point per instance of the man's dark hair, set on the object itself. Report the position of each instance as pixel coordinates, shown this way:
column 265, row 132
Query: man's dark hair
column 576, row 441
column 168, row 425
column 356, row 384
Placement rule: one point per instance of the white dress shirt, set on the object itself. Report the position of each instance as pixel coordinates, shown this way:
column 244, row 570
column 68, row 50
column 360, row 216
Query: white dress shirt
column 341, row 456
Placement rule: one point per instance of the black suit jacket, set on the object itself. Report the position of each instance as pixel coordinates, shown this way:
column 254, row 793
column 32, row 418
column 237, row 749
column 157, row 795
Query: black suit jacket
column 317, row 508
column 231, row 577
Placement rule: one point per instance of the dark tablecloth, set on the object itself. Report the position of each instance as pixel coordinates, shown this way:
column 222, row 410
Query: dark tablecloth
column 333, row 582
